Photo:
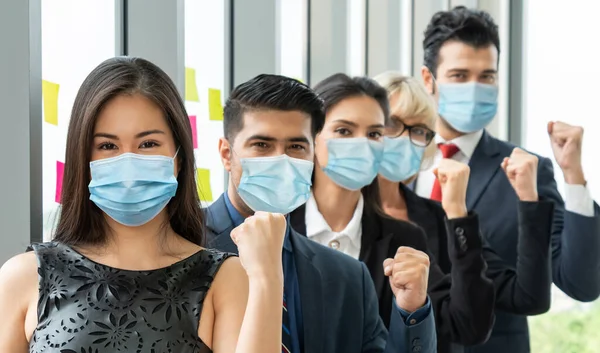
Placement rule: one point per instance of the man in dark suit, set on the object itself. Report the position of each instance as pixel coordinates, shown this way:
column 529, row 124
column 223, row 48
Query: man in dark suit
column 461, row 50
column 329, row 298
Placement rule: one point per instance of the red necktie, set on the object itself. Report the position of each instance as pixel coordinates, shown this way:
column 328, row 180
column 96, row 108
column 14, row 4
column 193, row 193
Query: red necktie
column 448, row 151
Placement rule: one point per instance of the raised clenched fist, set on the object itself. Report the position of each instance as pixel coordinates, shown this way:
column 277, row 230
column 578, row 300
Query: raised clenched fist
column 521, row 170
column 566, row 141
column 260, row 240
column 408, row 272
column 454, row 178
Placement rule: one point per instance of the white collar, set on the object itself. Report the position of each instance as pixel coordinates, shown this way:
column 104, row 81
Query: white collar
column 316, row 223
column 465, row 143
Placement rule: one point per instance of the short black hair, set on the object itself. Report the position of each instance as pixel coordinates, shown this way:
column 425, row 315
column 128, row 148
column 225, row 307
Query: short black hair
column 470, row 26
column 338, row 87
column 271, row 92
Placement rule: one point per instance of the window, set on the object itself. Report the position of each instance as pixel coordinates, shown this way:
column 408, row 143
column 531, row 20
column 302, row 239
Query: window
column 293, row 33
column 357, row 22
column 204, row 89
column 560, row 84
column 76, row 37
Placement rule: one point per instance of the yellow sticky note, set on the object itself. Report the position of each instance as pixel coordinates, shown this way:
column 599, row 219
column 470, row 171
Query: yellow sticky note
column 191, row 89
column 50, row 98
column 214, row 104
column 203, row 184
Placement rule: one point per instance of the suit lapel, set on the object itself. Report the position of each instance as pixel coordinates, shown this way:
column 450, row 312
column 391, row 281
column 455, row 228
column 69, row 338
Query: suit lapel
column 374, row 248
column 311, row 292
column 219, row 226
column 298, row 220
column 484, row 164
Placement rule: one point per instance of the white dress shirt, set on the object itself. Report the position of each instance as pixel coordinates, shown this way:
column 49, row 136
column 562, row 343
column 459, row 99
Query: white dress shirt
column 466, row 146
column 346, row 241
column 577, row 197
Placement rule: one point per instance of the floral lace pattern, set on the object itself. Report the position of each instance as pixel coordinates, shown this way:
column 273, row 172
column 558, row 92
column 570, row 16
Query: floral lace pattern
column 86, row 307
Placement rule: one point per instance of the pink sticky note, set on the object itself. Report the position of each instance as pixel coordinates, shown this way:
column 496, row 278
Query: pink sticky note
column 60, row 170
column 194, row 130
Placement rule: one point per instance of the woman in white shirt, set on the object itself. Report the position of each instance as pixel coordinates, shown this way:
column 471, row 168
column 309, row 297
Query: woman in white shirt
column 348, row 152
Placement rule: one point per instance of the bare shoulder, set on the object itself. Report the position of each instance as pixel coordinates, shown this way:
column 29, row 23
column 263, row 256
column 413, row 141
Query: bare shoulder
column 231, row 280
column 230, row 272
column 228, row 293
column 19, row 282
column 20, row 270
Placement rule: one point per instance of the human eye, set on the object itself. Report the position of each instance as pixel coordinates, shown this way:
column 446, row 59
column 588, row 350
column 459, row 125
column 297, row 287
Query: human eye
column 260, row 145
column 107, row 146
column 149, row 144
column 343, row 131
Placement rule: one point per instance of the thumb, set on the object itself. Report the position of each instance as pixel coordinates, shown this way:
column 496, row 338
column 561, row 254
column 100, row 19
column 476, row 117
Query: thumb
column 550, row 127
column 435, row 172
column 504, row 164
column 234, row 234
column 387, row 266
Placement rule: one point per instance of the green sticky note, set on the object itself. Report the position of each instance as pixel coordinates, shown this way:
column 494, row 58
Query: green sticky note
column 214, row 104
column 50, row 99
column 203, row 184
column 191, row 89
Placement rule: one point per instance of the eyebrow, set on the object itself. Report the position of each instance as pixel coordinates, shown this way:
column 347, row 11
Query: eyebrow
column 140, row 135
column 409, row 119
column 488, row 71
column 273, row 139
column 353, row 124
column 298, row 139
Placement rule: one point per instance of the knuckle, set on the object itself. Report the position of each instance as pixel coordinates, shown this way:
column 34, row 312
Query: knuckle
column 399, row 257
column 402, row 249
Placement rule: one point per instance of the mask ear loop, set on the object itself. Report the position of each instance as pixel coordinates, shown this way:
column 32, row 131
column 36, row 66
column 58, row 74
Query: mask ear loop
column 233, row 183
column 177, row 152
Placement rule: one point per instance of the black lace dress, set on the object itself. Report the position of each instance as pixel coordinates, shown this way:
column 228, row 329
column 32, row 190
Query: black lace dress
column 87, row 307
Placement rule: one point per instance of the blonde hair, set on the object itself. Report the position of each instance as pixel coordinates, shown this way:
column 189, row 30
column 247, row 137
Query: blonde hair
column 413, row 102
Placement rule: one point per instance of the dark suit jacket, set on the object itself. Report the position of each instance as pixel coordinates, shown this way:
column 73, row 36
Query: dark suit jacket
column 339, row 304
column 463, row 302
column 524, row 290
column 575, row 239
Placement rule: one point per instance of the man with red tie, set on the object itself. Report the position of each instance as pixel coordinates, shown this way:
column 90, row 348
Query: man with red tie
column 461, row 49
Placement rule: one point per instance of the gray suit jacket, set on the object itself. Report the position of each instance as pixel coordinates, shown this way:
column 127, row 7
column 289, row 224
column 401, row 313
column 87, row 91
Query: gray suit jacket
column 339, row 304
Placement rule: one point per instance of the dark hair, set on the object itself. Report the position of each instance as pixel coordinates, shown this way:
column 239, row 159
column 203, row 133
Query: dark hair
column 271, row 92
column 338, row 87
column 470, row 26
column 81, row 222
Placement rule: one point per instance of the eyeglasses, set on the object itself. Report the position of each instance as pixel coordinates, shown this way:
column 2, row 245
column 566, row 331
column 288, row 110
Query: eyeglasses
column 419, row 135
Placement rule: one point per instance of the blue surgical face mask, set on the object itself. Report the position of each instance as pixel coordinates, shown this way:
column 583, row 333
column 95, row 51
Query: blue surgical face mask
column 131, row 188
column 275, row 184
column 401, row 158
column 353, row 163
column 467, row 107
